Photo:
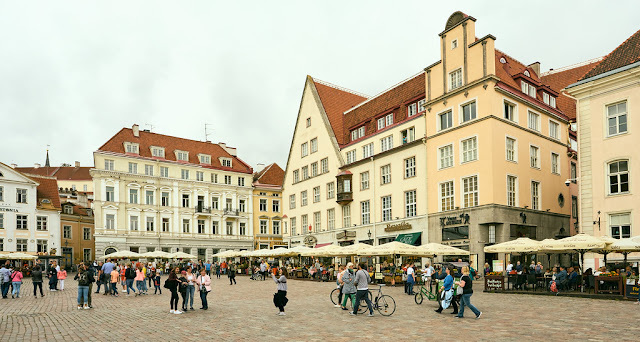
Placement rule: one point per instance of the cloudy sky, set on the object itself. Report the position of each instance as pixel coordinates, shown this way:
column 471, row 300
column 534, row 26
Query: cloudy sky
column 73, row 73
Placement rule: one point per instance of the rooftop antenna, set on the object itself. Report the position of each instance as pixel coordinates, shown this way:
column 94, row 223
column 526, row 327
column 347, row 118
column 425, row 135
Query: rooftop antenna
column 207, row 131
column 150, row 126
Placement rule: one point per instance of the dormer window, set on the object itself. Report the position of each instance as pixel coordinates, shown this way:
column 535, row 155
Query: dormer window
column 412, row 109
column 528, row 89
column 131, row 148
column 549, row 100
column 226, row 162
column 182, row 155
column 68, row 209
column 357, row 133
column 454, row 44
column 385, row 121
column 205, row 159
column 421, row 105
column 157, row 151
column 526, row 73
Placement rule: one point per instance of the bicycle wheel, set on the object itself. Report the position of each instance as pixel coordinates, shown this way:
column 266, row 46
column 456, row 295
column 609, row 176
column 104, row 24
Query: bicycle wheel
column 334, row 296
column 386, row 305
column 362, row 308
column 418, row 298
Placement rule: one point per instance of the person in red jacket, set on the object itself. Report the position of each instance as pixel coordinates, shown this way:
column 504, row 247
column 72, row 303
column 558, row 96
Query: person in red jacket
column 62, row 275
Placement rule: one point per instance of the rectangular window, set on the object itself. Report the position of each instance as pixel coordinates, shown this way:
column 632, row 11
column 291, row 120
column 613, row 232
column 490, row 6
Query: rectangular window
column 133, row 196
column 555, row 163
column 314, row 169
column 133, row 168
column 21, row 195
column 410, row 167
column 512, row 191
column 351, row 156
column 227, row 180
column 620, row 225
column 534, row 154
column 545, row 98
column 455, row 79
column 66, row 232
column 109, row 190
column 367, row 150
column 364, row 180
column 164, row 171
column 509, row 111
column 316, row 194
column 346, row 216
column 445, row 120
column 215, row 227
column 205, row 159
column 469, row 111
column 110, row 221
column 408, row 135
column 331, row 219
column 554, row 130
column 365, row 209
column 275, row 225
column 184, row 174
column 304, row 227
column 412, row 109
column 535, row 195
column 275, row 205
column 200, row 176
column 182, row 156
column 317, row 223
column 292, row 201
column 324, row 165
column 304, row 149
column 534, row 121
column 1, row 245
column 215, row 203
column 21, row 245
column 185, row 200
column 386, row 208
column 303, row 198
column 108, row 164
column 385, row 174
column 380, row 123
column 388, row 120
column 157, row 152
column 86, row 254
column 574, row 173
column 164, row 199
column 242, row 206
column 305, row 172
column 1, row 220
column 226, row 162
column 214, row 178
column 617, row 118
column 410, row 206
column 296, row 176
column 469, row 150
column 470, row 191
column 574, row 207
column 41, row 246
column 331, row 190
column 446, row 196
column 292, row 222
column 185, row 225
column 618, row 172
column 421, row 105
column 308, row 122
column 386, row 143
column 133, row 223
column 264, row 227
column 150, row 223
column 1, row 194
column 314, row 145
column 263, row 204
column 511, row 149
column 446, row 156
column 148, row 170
column 41, row 223
column 149, row 197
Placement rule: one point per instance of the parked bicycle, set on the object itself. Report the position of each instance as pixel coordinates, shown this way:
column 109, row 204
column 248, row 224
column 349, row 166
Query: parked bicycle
column 385, row 304
column 335, row 296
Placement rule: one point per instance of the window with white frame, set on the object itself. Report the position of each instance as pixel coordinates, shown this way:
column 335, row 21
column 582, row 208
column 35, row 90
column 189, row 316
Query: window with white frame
column 182, row 155
column 185, row 225
column 385, row 174
column 316, row 194
column 304, row 149
column 110, row 221
column 148, row 170
column 380, row 123
column 545, row 97
column 386, row 208
column 351, row 156
column 205, row 159
column 226, row 162
column 308, row 122
column 148, row 195
column 620, row 225
column 185, row 200
column 555, row 163
column 574, row 207
column 215, row 227
column 412, row 109
column 618, row 172
column 1, row 220
column 511, row 149
column 469, row 111
column 447, row 200
column 346, row 216
column 314, row 145
column 314, row 169
column 552, row 102
column 229, row 228
column 276, row 227
column 66, row 232
column 574, row 173
column 133, row 167
column 445, row 120
column 446, row 156
column 617, row 118
column 21, row 222
column 21, row 245
column 275, row 206
column 410, row 207
column 264, row 226
column 410, row 167
column 240, row 181
column 365, row 209
column 108, row 164
column 512, row 191
column 554, row 129
column 317, row 222
column 133, row 196
column 184, row 174
column 227, row 179
column 292, row 201
column 41, row 223
column 201, row 227
column 199, row 176
column 1, row 194
column 133, row 222
column 292, row 223
column 164, row 199
column 470, row 191
column 324, row 165
column 109, row 193
column 157, row 151
column 455, row 79
column 357, row 133
column 509, row 111
column 535, row 195
column 331, row 219
column 528, row 89
column 469, row 149
column 86, row 233
column 534, row 156
column 386, row 143
column 150, row 223
column 364, row 180
column 408, row 135
column 367, row 150
column 388, row 120
column 534, row 121
column 132, row 148
column 164, row 171
column 331, row 190
column 68, row 209
column 41, row 246
column 303, row 198
column 421, row 105
column 296, row 176
column 263, row 204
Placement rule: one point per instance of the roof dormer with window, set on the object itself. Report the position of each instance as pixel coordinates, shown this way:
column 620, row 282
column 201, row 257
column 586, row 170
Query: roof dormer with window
column 357, row 133
column 204, row 159
column 182, row 156
column 157, row 151
column 226, row 162
column 130, row 147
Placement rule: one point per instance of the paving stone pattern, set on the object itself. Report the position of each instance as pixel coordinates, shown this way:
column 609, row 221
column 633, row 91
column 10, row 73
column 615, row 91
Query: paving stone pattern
column 245, row 312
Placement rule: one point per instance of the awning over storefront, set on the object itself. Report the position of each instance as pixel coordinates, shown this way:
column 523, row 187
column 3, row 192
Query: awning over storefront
column 322, row 244
column 409, row 239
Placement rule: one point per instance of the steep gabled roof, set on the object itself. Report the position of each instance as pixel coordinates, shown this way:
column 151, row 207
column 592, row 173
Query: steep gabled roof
column 627, row 53
column 47, row 189
column 60, row 172
column 335, row 101
column 270, row 175
column 147, row 139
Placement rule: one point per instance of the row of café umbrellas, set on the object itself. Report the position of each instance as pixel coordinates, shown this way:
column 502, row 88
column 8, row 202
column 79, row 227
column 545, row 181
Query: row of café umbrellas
column 18, row 256
column 149, row 255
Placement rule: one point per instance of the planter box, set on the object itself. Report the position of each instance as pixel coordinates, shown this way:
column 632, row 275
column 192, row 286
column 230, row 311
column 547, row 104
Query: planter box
column 494, row 283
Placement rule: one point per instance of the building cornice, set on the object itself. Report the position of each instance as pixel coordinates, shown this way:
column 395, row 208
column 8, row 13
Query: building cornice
column 125, row 175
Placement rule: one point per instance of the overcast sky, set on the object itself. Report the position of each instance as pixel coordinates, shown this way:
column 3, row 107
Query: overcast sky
column 74, row 73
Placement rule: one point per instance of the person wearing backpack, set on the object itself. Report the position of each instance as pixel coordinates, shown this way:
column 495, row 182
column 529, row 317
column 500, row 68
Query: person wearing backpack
column 84, row 278
column 16, row 282
column 36, row 278
column 130, row 275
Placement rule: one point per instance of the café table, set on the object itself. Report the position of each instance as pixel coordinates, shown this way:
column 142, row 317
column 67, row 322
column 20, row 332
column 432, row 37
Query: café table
column 612, row 281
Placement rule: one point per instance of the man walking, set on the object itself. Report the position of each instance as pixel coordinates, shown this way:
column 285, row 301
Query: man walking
column 107, row 268
column 362, row 286
column 207, row 268
column 5, row 274
column 263, row 270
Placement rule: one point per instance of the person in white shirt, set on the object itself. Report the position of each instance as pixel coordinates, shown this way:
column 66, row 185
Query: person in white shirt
column 427, row 272
column 411, row 279
column 509, row 267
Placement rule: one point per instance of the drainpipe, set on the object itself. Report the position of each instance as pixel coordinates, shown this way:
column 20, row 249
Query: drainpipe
column 372, row 209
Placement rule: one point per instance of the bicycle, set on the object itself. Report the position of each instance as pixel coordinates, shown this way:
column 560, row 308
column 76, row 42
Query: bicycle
column 424, row 292
column 335, row 296
column 385, row 304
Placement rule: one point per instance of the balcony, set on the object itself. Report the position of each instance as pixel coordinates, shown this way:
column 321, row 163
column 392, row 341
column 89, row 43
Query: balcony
column 345, row 194
column 203, row 210
column 344, row 197
column 232, row 212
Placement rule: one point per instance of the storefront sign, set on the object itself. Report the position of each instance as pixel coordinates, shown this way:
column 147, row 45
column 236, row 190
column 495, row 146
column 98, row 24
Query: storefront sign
column 8, row 209
column 456, row 243
column 454, row 220
column 396, row 227
column 310, row 240
column 631, row 290
column 345, row 235
column 493, row 283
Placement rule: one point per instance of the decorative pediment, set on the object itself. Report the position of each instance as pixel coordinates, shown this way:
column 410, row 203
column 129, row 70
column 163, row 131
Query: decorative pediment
column 133, row 185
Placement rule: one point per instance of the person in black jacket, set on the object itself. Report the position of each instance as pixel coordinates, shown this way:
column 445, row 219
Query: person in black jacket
column 52, row 273
column 129, row 276
column 36, row 278
column 172, row 284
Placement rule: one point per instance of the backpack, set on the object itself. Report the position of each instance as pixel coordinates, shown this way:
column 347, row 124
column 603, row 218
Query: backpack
column 83, row 279
column 129, row 273
column 553, row 287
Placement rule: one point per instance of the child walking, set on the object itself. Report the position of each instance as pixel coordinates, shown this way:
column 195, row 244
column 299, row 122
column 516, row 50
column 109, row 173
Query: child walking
column 62, row 275
column 156, row 283
column 115, row 275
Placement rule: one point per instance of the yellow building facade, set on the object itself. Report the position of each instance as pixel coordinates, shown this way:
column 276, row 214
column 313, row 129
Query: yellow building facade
column 268, row 223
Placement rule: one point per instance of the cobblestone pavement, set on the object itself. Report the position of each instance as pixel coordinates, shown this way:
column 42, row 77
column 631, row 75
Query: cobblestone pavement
column 246, row 313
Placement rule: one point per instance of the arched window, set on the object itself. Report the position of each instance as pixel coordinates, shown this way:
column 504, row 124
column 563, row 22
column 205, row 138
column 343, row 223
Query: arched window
column 618, row 172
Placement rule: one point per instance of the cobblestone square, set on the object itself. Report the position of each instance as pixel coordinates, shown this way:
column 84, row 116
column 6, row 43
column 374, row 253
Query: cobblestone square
column 245, row 312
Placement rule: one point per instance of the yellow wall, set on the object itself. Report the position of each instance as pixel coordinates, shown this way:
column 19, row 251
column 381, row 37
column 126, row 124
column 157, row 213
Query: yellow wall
column 270, row 238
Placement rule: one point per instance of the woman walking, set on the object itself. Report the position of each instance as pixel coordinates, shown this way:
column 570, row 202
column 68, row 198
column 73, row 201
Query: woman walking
column 348, row 286
column 280, row 298
column 446, row 293
column 172, row 284
column 62, row 275
column 16, row 282
column 232, row 273
column 182, row 280
column 52, row 273
column 466, row 284
column 191, row 287
column 204, row 286
column 84, row 278
column 140, row 281
column 36, row 278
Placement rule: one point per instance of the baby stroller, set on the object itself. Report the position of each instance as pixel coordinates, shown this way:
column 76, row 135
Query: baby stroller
column 255, row 275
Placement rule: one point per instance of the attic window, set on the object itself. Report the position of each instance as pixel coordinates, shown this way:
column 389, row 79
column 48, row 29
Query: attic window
column 549, row 100
column 204, row 159
column 528, row 89
column 357, row 133
column 131, row 148
column 157, row 151
column 182, row 155
column 526, row 73
column 503, row 60
column 226, row 162
column 68, row 209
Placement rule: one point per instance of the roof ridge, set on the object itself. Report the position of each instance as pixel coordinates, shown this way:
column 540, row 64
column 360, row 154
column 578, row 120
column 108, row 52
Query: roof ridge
column 346, row 90
column 609, row 54
column 38, row 176
column 572, row 66
column 264, row 171
column 385, row 91
column 511, row 57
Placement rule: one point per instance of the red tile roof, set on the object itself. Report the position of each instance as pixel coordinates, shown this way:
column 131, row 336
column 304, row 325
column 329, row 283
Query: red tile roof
column 336, row 101
column 77, row 209
column 170, row 144
column 627, row 53
column 395, row 99
column 60, row 172
column 47, row 189
column 270, row 175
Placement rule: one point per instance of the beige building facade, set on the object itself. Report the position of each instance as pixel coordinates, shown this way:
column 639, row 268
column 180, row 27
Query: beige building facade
column 267, row 208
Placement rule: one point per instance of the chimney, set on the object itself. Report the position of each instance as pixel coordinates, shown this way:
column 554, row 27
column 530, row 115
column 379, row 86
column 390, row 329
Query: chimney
column 36, row 166
column 536, row 68
column 77, row 164
column 136, row 130
column 260, row 167
column 13, row 166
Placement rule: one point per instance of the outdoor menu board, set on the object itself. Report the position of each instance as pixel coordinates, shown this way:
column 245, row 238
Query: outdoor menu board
column 494, row 283
column 498, row 265
column 631, row 289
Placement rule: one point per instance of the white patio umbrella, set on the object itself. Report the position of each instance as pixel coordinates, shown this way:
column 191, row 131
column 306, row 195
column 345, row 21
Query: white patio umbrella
column 349, row 250
column 229, row 254
column 434, row 249
column 581, row 243
column 182, row 255
column 18, row 256
column 324, row 251
column 519, row 245
column 122, row 255
column 392, row 248
column 156, row 254
column 624, row 246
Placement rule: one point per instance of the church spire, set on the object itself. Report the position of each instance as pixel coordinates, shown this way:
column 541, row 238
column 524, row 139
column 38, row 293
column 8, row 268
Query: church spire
column 46, row 163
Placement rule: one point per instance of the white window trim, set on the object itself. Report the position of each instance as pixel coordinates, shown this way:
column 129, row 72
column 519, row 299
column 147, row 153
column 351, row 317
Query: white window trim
column 539, row 167
column 204, row 155
column 517, row 188
column 515, row 149
column 618, row 212
column 461, row 112
column 127, row 143
column 461, row 78
column 539, row 123
column 515, row 109
column 539, row 194
column 453, row 154
column 607, row 185
column 462, row 189
column 559, row 138
column 605, row 116
column 453, row 182
column 438, row 126
column 551, row 163
column 180, row 151
column 151, row 148
column 462, row 162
